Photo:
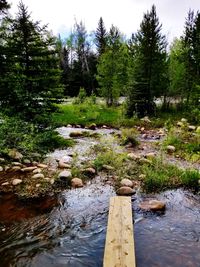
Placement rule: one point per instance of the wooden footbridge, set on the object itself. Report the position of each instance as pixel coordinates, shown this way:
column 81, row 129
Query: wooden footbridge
column 119, row 247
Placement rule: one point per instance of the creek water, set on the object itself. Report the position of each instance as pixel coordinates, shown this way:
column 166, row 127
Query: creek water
column 72, row 233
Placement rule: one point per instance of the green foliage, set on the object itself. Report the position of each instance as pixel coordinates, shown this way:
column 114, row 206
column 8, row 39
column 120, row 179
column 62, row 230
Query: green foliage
column 112, row 68
column 101, row 37
column 177, row 70
column 160, row 176
column 129, row 136
column 82, row 95
column 190, row 178
column 191, row 42
column 27, row 138
column 187, row 144
column 30, row 79
column 86, row 113
column 148, row 76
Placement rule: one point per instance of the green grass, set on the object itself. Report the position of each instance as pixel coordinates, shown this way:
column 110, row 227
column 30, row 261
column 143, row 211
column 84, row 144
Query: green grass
column 28, row 138
column 187, row 143
column 160, row 176
column 85, row 114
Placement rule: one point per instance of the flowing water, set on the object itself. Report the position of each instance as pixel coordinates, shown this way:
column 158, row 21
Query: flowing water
column 72, row 232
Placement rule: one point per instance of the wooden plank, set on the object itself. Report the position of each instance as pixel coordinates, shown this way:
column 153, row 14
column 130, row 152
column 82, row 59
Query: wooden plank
column 119, row 247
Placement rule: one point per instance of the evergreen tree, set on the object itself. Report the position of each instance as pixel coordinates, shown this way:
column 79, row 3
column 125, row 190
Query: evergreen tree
column 177, row 70
column 31, row 84
column 112, row 67
column 4, row 6
column 191, row 42
column 101, row 37
column 149, row 74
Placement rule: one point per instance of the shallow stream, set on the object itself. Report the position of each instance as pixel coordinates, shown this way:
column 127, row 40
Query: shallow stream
column 72, row 233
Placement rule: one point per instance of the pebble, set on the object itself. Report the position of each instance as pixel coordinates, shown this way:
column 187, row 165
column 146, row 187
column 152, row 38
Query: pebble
column 153, row 205
column 16, row 181
column 133, row 156
column 38, row 175
column 76, row 183
column 126, row 182
column 65, row 174
column 29, row 169
column 125, row 191
column 1, row 168
column 42, row 166
column 171, row 149
column 16, row 168
column 6, row 183
column 89, row 171
column 37, row 170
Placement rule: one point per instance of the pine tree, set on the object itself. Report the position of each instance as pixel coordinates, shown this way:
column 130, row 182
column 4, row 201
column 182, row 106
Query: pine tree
column 4, row 6
column 32, row 81
column 148, row 80
column 191, row 44
column 101, row 37
column 112, row 67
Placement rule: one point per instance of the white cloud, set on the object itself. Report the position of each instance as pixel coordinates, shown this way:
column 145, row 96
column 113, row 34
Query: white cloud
column 126, row 14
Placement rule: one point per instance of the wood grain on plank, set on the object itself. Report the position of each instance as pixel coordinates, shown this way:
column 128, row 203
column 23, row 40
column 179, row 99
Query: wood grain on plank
column 119, row 247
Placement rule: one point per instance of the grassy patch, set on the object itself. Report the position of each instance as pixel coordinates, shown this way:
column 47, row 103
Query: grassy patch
column 28, row 138
column 129, row 136
column 160, row 176
column 87, row 113
column 187, row 143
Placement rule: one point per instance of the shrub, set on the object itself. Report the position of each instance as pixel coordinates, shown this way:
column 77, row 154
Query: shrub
column 28, row 138
column 130, row 136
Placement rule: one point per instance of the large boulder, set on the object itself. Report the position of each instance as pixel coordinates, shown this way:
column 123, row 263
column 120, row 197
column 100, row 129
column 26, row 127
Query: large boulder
column 125, row 191
column 152, row 205
column 76, row 183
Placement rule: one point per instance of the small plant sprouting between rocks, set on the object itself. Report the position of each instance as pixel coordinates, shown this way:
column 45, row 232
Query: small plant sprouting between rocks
column 129, row 136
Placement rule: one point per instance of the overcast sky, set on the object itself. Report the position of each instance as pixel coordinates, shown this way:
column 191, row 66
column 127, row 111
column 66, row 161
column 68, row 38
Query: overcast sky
column 125, row 14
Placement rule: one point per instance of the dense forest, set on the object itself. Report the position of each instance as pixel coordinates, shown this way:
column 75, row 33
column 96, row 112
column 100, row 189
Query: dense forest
column 38, row 67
